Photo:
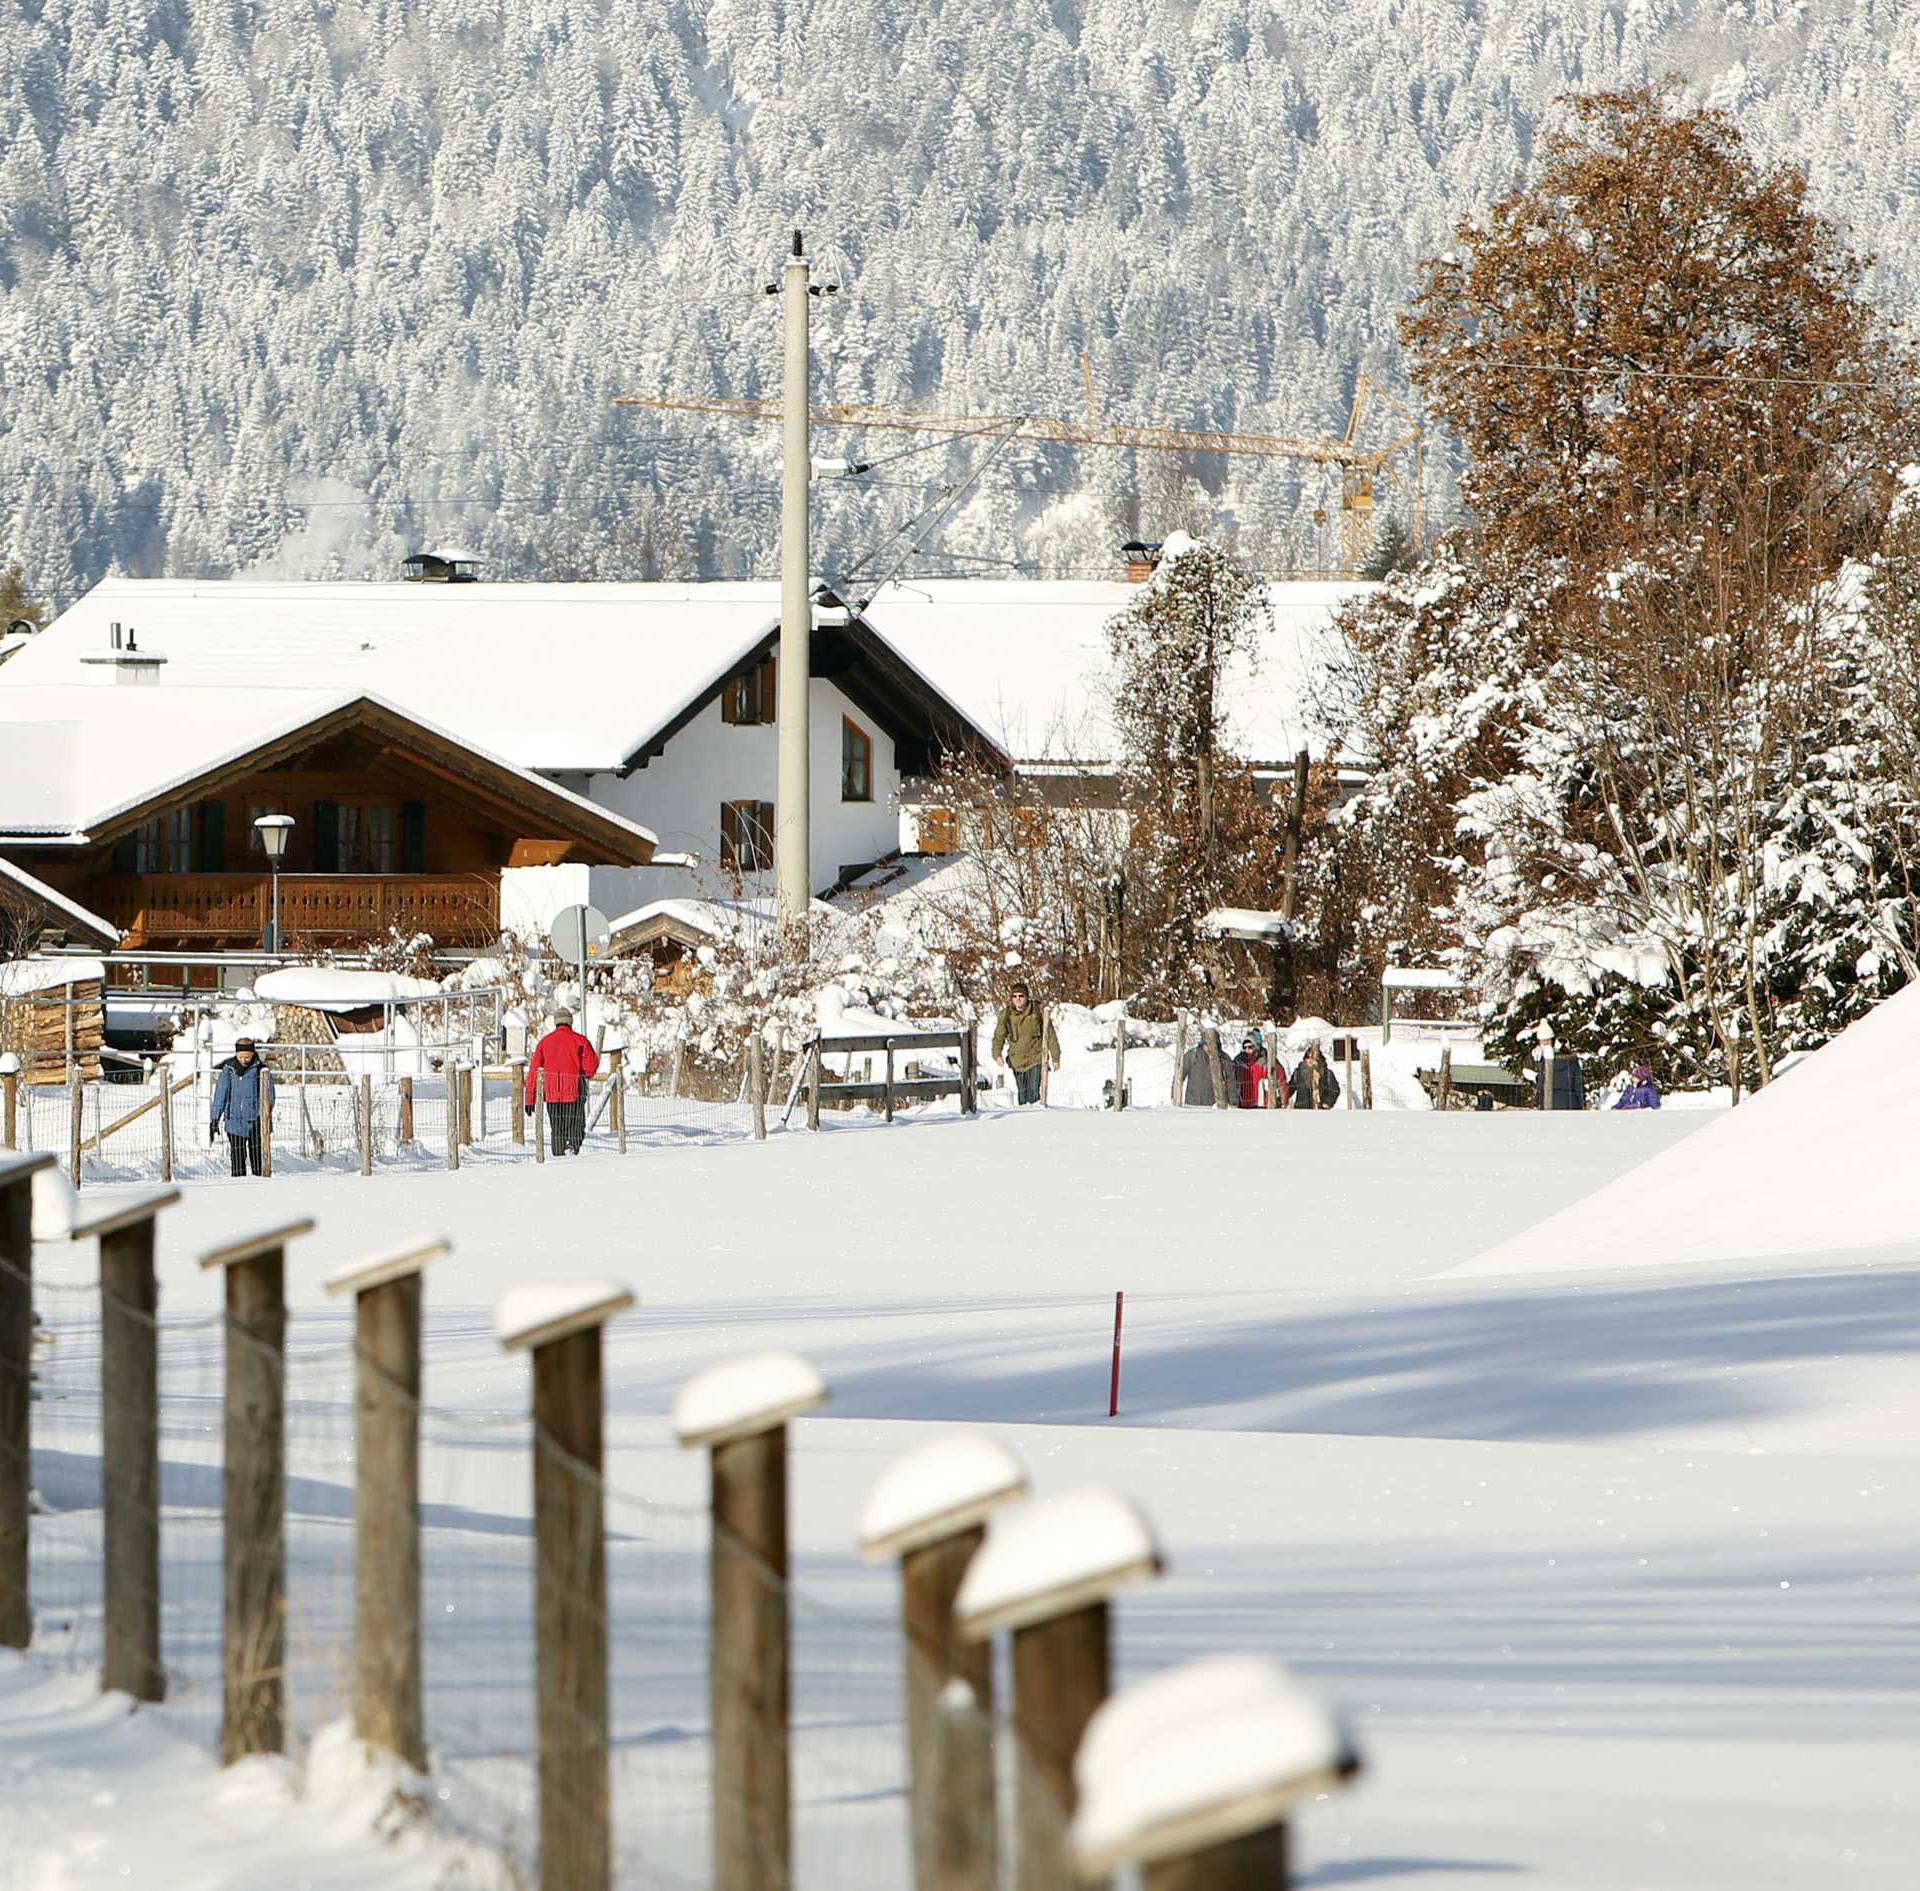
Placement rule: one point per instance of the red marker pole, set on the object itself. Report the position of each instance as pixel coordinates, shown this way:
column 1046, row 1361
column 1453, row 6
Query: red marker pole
column 1113, row 1388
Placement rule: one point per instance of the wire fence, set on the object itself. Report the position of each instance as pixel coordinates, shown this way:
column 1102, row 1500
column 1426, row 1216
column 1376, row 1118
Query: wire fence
column 479, row 1627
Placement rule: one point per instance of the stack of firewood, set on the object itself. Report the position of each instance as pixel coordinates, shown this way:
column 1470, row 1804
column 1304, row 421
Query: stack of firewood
column 34, row 1027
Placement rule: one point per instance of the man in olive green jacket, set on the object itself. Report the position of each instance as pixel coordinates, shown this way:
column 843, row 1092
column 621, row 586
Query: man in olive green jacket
column 1023, row 1040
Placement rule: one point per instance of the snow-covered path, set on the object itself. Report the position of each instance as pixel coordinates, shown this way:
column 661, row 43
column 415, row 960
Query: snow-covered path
column 1614, row 1573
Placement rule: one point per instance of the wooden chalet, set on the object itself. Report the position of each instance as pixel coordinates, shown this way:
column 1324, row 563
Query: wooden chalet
column 396, row 823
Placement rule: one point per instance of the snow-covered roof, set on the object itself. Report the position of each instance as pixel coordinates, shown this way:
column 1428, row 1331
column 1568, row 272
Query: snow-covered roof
column 550, row 676
column 1026, row 660
column 74, row 756
column 1052, row 1556
column 21, row 978
column 1198, row 1755
column 538, row 1312
column 709, row 917
column 943, row 1487
column 336, row 988
column 39, row 891
column 740, row 1397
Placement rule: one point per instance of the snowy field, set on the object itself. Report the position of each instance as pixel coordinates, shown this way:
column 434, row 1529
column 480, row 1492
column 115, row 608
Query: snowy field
column 1611, row 1568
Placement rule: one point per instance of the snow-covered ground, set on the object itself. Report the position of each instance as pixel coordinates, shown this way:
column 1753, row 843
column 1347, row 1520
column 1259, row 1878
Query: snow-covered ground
column 1611, row 1571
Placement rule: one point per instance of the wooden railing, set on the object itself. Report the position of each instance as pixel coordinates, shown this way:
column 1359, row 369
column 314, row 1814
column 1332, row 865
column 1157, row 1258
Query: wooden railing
column 321, row 908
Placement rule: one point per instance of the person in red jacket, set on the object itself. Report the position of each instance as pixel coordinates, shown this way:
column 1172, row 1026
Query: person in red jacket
column 568, row 1061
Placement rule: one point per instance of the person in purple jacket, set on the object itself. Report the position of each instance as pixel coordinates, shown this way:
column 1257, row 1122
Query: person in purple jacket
column 1642, row 1093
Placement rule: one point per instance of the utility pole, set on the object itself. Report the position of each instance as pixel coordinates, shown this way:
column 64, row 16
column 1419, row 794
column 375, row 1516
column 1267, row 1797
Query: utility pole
column 792, row 813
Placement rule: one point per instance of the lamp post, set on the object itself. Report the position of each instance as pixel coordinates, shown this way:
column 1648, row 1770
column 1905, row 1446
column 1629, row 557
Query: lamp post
column 273, row 830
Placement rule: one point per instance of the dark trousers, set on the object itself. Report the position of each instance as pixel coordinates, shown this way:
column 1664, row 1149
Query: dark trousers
column 244, row 1150
column 1026, row 1085
column 567, row 1127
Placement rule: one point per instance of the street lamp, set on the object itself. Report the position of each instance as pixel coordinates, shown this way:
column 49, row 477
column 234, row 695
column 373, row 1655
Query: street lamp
column 273, row 830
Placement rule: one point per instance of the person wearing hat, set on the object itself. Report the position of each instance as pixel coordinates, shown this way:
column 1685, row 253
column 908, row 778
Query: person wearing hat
column 568, row 1060
column 243, row 1097
column 1024, row 1042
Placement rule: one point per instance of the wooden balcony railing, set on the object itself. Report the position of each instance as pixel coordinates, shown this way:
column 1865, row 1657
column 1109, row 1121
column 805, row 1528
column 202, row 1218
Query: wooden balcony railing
column 210, row 909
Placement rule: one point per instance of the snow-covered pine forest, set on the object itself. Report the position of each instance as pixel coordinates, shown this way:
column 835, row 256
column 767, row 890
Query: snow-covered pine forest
column 292, row 286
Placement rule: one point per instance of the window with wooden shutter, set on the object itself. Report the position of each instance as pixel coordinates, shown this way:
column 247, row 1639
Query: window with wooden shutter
column 746, row 835
column 748, row 698
column 856, row 762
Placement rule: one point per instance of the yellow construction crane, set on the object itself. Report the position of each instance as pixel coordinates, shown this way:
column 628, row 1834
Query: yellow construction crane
column 1360, row 466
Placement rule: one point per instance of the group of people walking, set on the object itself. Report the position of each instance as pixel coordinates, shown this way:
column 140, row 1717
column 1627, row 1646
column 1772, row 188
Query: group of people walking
column 1257, row 1078
column 562, row 1064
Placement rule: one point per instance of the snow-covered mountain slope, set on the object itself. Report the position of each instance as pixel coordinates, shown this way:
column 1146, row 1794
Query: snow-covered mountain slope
column 298, row 284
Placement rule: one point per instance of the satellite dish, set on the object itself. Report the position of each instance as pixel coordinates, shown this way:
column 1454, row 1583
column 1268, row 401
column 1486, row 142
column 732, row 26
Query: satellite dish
column 580, row 932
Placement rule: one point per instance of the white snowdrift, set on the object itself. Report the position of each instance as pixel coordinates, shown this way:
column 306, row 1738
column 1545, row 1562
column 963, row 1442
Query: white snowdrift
column 1819, row 1161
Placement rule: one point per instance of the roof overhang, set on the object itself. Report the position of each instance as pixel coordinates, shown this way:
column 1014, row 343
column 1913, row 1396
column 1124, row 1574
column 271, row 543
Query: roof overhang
column 518, row 794
column 17, row 880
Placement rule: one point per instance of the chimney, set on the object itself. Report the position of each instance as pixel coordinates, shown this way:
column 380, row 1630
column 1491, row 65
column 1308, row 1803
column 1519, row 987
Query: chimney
column 1143, row 560
column 124, row 657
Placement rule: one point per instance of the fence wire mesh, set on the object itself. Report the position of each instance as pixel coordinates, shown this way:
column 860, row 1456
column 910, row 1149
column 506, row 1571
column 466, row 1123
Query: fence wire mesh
column 479, row 1608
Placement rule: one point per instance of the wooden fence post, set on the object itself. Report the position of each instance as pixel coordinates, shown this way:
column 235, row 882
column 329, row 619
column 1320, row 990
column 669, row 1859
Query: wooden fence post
column 1444, row 1101
column 16, row 1387
column 929, row 1509
column 738, row 1411
column 10, row 1089
column 1353, row 1094
column 466, row 1106
column 540, row 1114
column 813, row 1085
column 617, row 1069
column 1226, row 1828
column 76, row 1120
column 166, row 1124
column 388, row 1710
column 758, row 1052
column 887, row 1091
column 366, row 1124
column 1046, row 1572
column 1179, row 1058
column 267, row 1088
column 1120, row 1060
column 969, row 1066
column 1366, row 1078
column 406, row 1112
column 516, row 1117
column 560, row 1326
column 678, row 1070
column 1217, row 1065
column 453, row 1115
column 130, row 1447
column 253, row 1493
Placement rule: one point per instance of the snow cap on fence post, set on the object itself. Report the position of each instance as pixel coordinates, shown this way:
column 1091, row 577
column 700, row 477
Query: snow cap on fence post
column 1055, row 1555
column 559, row 1322
column 930, row 1508
column 739, row 1410
column 740, row 1398
column 940, row 1489
column 1204, row 1761
column 1046, row 1572
column 55, row 1199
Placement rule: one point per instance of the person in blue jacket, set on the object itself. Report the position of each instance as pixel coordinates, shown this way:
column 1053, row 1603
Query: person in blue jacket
column 243, row 1096
column 1642, row 1093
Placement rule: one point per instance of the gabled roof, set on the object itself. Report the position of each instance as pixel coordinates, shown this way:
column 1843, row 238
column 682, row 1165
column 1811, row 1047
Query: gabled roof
column 1027, row 661
column 566, row 678
column 18, row 880
column 82, row 762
